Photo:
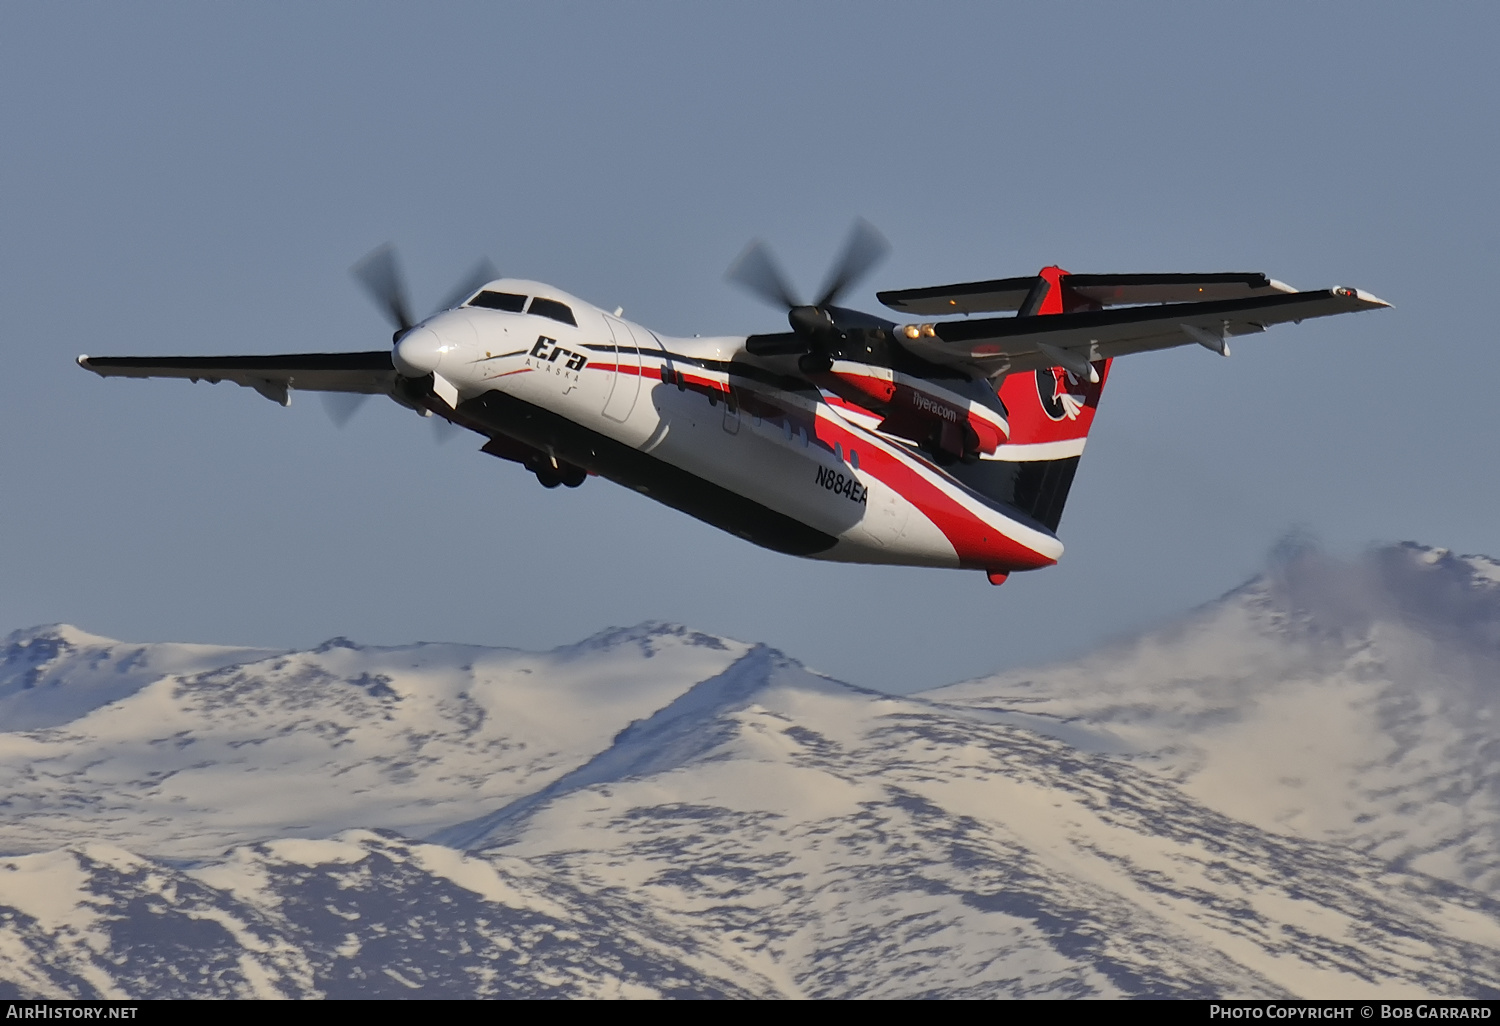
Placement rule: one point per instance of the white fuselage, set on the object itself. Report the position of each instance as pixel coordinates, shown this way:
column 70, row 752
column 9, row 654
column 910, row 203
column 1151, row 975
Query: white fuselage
column 626, row 399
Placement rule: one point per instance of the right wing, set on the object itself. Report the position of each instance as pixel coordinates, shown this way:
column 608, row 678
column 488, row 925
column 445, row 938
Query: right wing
column 271, row 376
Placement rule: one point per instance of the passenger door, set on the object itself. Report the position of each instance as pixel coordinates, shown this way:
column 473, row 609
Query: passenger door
column 625, row 386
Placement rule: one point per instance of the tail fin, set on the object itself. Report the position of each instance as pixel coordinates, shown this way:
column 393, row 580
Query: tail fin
column 1051, row 412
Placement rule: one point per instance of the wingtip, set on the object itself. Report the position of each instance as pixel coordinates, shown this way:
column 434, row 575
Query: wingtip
column 83, row 361
column 1362, row 296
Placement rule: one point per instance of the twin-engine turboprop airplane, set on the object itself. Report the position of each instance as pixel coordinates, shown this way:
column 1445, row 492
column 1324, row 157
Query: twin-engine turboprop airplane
column 941, row 443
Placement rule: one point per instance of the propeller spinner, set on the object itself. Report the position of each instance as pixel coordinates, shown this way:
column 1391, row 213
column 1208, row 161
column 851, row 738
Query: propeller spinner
column 414, row 353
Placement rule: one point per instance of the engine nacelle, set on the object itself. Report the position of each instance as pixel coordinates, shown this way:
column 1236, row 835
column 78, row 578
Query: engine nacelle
column 945, row 420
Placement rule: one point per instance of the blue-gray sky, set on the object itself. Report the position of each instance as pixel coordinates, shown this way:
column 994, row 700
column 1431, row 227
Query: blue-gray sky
column 197, row 178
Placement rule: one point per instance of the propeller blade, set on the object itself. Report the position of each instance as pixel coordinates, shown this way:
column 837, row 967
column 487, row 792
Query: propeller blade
column 381, row 277
column 866, row 248
column 756, row 271
column 483, row 273
column 341, row 406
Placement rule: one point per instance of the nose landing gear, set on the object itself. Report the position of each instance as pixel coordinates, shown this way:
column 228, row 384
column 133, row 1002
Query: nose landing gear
column 549, row 470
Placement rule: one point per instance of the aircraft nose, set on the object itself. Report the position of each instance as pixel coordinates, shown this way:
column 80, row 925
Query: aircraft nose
column 418, row 352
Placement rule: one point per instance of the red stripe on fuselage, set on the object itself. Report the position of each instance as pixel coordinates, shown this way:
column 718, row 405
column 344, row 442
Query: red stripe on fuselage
column 654, row 371
column 979, row 544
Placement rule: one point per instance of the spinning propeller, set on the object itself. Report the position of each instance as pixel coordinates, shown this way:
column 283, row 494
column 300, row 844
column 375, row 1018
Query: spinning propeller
column 815, row 326
column 380, row 274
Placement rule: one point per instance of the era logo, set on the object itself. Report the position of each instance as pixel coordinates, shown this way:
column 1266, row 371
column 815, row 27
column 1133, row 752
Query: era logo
column 547, row 350
column 1062, row 395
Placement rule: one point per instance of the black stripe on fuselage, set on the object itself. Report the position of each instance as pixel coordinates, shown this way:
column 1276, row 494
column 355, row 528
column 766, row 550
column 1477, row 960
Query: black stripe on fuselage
column 895, row 358
column 642, row 472
column 734, row 368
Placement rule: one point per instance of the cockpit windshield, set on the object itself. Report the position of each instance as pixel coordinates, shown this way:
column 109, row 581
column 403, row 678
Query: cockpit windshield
column 499, row 301
column 553, row 309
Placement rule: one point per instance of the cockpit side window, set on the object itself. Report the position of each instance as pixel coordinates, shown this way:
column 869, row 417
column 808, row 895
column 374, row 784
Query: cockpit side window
column 499, row 301
column 553, row 309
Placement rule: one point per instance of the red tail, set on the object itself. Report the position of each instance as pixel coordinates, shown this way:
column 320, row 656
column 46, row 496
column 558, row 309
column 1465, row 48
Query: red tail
column 1051, row 411
column 1052, row 405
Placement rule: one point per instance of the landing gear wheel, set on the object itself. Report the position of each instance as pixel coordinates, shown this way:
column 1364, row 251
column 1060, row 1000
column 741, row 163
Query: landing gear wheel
column 548, row 478
column 573, row 476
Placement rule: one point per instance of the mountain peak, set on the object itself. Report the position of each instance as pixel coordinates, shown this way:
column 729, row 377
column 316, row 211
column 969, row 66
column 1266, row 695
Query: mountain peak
column 55, row 673
column 1351, row 700
column 649, row 636
column 1451, row 598
column 52, row 635
column 339, row 642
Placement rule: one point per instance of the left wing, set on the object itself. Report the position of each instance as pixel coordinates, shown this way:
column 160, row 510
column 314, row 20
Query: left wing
column 996, row 345
column 271, row 376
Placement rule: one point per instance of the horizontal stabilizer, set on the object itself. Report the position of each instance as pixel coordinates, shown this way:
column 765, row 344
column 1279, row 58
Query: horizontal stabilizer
column 1004, row 294
column 970, row 297
column 1007, row 344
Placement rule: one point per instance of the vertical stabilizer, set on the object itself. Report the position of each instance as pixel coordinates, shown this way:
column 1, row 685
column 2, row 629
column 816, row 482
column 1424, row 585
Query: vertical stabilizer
column 1051, row 411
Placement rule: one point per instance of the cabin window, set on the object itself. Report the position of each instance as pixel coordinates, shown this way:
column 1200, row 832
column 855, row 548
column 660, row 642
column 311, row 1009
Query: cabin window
column 507, row 301
column 838, row 451
column 553, row 309
column 854, row 458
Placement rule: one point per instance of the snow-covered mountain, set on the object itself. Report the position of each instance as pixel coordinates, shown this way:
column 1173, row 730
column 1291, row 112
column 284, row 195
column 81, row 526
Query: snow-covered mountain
column 1356, row 702
column 655, row 811
column 310, row 743
column 53, row 675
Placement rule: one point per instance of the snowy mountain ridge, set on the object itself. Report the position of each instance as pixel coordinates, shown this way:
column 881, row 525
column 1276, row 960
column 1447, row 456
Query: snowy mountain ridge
column 53, row 674
column 1353, row 702
column 307, row 744
column 1246, row 803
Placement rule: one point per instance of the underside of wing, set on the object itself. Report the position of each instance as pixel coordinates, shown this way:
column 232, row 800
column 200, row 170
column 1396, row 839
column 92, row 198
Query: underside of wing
column 1073, row 340
column 271, row 376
